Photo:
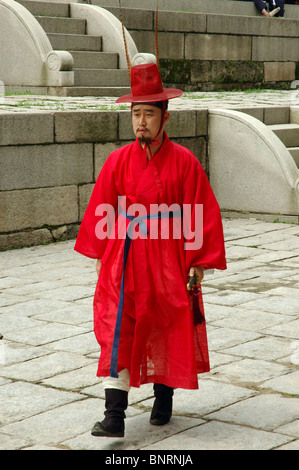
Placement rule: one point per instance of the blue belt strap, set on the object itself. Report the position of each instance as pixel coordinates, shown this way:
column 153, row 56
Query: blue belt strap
column 143, row 228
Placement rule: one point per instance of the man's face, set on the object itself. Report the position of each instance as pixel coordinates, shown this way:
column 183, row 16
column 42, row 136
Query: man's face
column 146, row 120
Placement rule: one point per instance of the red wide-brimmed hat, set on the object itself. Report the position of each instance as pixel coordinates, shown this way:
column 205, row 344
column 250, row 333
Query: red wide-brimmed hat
column 146, row 86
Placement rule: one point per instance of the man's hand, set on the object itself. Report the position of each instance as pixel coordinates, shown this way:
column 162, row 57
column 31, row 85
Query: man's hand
column 198, row 271
column 98, row 266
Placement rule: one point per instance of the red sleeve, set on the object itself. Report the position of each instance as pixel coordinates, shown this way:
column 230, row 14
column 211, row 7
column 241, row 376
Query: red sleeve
column 88, row 242
column 204, row 220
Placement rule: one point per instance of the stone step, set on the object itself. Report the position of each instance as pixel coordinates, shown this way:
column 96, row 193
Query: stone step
column 75, row 42
column 95, row 73
column 94, row 91
column 287, row 133
column 294, row 151
column 62, row 25
column 95, row 60
column 294, row 110
column 101, row 78
column 47, row 8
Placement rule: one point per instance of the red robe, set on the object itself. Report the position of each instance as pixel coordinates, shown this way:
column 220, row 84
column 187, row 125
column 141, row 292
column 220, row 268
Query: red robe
column 158, row 340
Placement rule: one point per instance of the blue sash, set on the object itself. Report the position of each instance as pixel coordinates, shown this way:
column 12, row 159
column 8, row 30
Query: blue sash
column 143, row 228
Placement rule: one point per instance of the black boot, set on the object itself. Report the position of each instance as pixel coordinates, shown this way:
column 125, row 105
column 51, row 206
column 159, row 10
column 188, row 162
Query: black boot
column 114, row 423
column 162, row 409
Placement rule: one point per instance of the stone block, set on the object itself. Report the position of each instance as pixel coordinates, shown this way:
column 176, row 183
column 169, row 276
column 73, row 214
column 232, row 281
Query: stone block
column 279, row 71
column 294, row 151
column 26, row 128
column 16, row 409
column 276, row 115
column 125, row 126
column 212, row 6
column 95, row 60
column 215, row 435
column 75, row 42
column 246, row 25
column 143, row 20
column 286, row 384
column 182, row 22
column 102, row 78
column 62, row 25
column 203, row 71
column 171, row 45
column 217, row 47
column 21, row 239
column 182, row 124
column 225, row 24
column 135, row 18
column 287, row 133
column 273, row 49
column 37, row 166
column 57, row 423
column 85, row 126
column 46, row 8
column 294, row 114
column 257, row 412
column 257, row 113
column 202, row 122
column 226, row 71
column 101, row 153
column 244, row 8
column 65, row 232
column 34, row 208
column 84, row 196
column 175, row 71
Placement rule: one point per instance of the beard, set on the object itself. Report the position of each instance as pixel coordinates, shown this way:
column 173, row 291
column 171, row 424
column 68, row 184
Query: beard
column 144, row 140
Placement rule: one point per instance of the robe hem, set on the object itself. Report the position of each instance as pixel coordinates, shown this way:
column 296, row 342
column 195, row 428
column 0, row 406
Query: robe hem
column 182, row 383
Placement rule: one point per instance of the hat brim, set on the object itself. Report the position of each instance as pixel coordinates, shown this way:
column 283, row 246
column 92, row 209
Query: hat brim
column 167, row 94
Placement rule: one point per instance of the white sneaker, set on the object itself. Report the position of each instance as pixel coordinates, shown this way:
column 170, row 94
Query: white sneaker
column 273, row 12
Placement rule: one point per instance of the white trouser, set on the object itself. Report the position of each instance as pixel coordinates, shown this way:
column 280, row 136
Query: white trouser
column 120, row 383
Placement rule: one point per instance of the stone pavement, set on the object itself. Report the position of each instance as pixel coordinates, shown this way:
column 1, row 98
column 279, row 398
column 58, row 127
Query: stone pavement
column 190, row 100
column 49, row 393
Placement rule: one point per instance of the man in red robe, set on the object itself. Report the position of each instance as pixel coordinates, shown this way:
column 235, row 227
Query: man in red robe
column 151, row 222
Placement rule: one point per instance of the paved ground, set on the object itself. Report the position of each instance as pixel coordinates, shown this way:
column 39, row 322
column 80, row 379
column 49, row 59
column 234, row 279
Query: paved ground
column 194, row 100
column 49, row 393
column 50, row 396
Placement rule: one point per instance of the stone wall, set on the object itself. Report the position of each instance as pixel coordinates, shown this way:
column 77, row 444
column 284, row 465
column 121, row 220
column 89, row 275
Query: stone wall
column 208, row 51
column 226, row 7
column 50, row 160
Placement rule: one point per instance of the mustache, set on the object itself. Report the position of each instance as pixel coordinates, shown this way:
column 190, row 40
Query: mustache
column 142, row 129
